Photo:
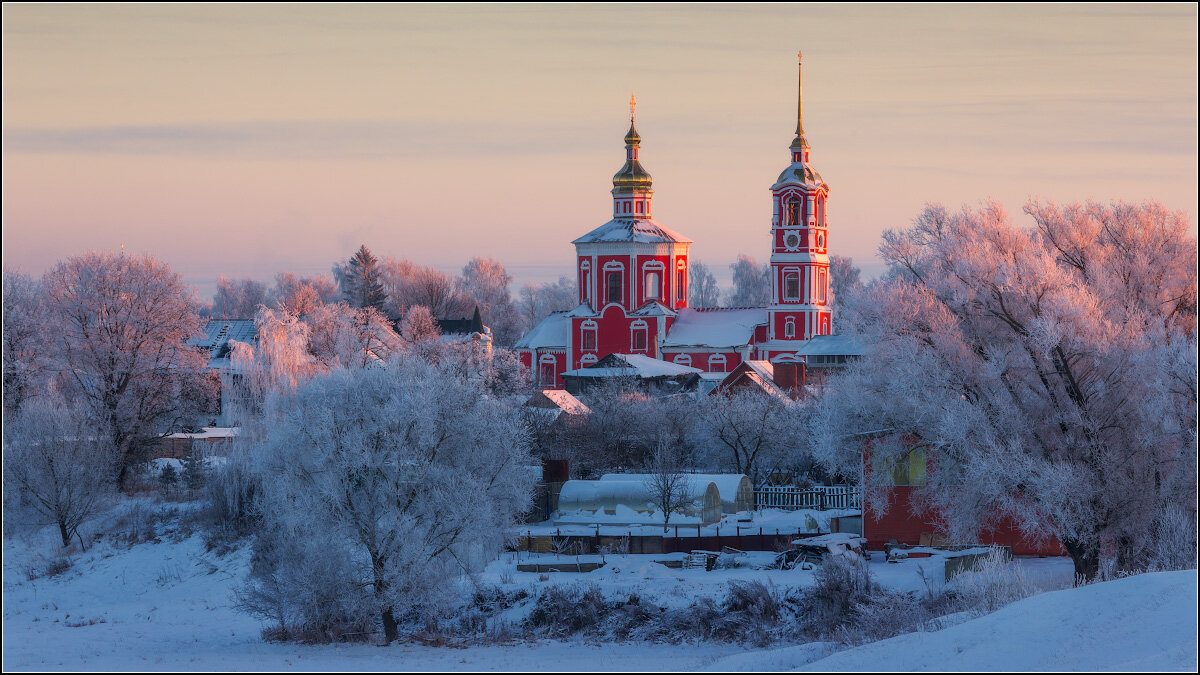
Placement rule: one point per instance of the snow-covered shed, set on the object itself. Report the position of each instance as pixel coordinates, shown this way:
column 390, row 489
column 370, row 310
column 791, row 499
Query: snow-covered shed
column 628, row 502
column 653, row 375
column 737, row 494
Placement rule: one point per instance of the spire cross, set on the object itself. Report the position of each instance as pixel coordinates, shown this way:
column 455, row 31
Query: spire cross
column 632, row 106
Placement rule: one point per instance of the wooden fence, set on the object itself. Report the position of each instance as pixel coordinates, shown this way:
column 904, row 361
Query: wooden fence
column 679, row 539
column 818, row 497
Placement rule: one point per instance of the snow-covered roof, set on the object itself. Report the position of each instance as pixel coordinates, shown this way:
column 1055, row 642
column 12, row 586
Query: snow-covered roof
column 636, row 365
column 210, row 433
column 717, row 327
column 831, row 345
column 728, row 486
column 640, row 230
column 217, row 335
column 761, row 372
column 552, row 331
column 566, row 401
column 653, row 308
column 582, row 310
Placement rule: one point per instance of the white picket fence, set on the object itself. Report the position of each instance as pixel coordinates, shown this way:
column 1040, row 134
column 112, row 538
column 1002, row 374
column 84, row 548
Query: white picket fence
column 818, row 497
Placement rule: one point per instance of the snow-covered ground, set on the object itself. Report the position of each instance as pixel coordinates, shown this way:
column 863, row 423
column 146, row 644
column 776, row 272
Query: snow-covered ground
column 169, row 606
column 1144, row 623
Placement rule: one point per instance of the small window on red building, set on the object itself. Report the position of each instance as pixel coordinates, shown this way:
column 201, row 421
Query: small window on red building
column 680, row 276
column 791, row 285
column 588, row 341
column 789, row 327
column 547, row 376
column 639, row 339
column 613, row 280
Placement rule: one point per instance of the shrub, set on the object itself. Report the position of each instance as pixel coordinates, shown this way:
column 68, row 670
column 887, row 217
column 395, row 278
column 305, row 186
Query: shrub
column 842, row 585
column 885, row 614
column 994, row 583
column 167, row 478
column 310, row 595
column 566, row 610
column 230, row 509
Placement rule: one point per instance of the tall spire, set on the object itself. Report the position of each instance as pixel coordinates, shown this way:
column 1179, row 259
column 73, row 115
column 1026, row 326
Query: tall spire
column 800, row 142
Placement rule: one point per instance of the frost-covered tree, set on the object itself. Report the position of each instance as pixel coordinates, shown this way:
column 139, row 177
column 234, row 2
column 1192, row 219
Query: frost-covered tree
column 844, row 278
column 302, row 295
column 751, row 283
column 344, row 336
column 119, row 331
column 360, row 280
column 539, row 300
column 419, row 326
column 1048, row 373
column 25, row 336
column 404, row 477
column 748, row 432
column 238, row 298
column 486, row 282
column 702, row 286
column 666, row 481
column 58, row 463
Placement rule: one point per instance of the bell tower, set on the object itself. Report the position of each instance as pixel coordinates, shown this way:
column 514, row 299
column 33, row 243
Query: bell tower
column 800, row 307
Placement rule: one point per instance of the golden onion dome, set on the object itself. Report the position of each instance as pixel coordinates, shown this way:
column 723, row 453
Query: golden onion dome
column 632, row 138
column 632, row 176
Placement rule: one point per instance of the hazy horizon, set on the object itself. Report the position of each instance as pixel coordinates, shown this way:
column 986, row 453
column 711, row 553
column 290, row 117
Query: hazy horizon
column 245, row 140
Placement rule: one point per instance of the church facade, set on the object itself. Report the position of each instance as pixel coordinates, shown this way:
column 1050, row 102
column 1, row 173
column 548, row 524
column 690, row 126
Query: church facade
column 632, row 277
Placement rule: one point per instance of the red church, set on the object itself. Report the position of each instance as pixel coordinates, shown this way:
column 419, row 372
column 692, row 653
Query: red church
column 632, row 276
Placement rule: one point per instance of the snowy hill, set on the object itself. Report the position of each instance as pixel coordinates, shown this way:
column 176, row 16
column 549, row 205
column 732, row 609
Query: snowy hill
column 1142, row 623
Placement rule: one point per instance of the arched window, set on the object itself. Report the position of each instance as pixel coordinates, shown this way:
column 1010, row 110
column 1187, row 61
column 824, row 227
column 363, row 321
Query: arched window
column 637, row 336
column 789, row 327
column 587, row 336
column 716, row 363
column 612, row 281
column 653, row 286
column 793, row 212
column 791, row 285
column 683, row 359
column 821, row 286
column 547, row 371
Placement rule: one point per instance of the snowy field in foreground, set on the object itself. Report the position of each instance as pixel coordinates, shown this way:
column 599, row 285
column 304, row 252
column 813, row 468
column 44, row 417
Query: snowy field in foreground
column 166, row 606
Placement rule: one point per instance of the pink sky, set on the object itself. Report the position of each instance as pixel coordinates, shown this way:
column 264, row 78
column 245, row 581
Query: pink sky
column 245, row 140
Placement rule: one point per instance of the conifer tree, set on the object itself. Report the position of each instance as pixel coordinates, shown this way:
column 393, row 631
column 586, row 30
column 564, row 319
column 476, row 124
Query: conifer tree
column 360, row 282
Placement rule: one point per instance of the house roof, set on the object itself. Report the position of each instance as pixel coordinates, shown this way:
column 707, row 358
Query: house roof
column 831, row 345
column 472, row 324
column 217, row 335
column 552, row 331
column 717, row 327
column 638, row 230
column 558, row 400
column 631, row 365
column 761, row 373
